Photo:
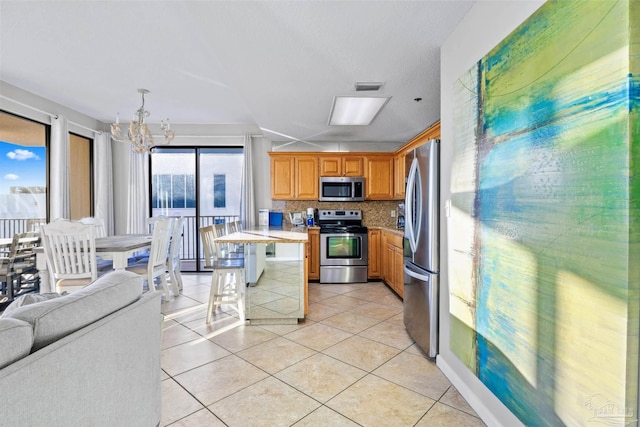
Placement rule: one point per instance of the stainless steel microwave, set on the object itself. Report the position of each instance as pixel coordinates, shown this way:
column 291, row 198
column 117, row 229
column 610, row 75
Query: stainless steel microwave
column 341, row 189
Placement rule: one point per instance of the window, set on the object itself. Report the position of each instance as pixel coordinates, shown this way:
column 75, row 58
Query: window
column 173, row 191
column 219, row 192
column 23, row 173
column 80, row 177
column 202, row 184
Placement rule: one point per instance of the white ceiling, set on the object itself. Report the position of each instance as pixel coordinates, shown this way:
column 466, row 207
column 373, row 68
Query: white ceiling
column 261, row 66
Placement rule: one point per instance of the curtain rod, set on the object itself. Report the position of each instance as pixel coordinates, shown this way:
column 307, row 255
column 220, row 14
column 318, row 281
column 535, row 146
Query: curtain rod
column 51, row 115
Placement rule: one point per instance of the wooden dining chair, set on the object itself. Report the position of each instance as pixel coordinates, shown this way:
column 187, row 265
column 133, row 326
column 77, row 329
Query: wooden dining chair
column 71, row 253
column 98, row 223
column 156, row 264
column 227, row 279
column 235, row 248
column 24, row 262
column 173, row 260
column 104, row 265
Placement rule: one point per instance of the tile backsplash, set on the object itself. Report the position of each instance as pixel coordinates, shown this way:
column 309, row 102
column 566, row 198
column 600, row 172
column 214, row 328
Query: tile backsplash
column 374, row 213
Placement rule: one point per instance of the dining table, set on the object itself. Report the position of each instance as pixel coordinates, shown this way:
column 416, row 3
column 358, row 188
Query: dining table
column 120, row 248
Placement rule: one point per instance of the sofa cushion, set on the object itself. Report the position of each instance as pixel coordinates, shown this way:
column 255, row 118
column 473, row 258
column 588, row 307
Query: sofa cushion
column 27, row 299
column 56, row 318
column 16, row 339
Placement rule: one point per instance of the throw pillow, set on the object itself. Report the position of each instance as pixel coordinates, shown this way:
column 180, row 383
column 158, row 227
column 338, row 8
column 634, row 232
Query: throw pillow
column 27, row 299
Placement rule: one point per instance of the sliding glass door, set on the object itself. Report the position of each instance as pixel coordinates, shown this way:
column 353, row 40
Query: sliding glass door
column 23, row 177
column 202, row 184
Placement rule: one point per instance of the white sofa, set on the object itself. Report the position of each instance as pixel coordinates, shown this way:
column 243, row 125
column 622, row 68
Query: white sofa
column 89, row 358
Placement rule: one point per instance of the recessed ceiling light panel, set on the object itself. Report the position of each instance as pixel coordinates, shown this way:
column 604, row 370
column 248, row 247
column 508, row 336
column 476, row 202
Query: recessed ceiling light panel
column 355, row 110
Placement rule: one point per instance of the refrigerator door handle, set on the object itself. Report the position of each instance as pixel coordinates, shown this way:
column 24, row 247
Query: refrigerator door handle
column 413, row 219
column 416, row 275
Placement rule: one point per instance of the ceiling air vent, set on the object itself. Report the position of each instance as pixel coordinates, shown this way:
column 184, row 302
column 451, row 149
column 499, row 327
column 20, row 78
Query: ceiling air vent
column 368, row 86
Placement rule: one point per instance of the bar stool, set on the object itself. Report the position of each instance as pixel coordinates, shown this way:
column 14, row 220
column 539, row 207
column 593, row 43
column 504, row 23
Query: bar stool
column 227, row 281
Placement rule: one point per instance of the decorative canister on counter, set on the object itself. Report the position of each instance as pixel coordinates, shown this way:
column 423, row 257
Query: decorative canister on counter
column 263, row 217
column 310, row 214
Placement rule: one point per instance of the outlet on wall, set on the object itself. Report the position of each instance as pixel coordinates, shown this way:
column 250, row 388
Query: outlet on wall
column 393, row 214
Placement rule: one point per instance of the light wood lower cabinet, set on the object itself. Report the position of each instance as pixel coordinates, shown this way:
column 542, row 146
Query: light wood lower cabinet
column 374, row 269
column 390, row 260
column 314, row 253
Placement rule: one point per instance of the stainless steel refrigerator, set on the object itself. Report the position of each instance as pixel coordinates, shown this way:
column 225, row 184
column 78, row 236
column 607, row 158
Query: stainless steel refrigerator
column 422, row 245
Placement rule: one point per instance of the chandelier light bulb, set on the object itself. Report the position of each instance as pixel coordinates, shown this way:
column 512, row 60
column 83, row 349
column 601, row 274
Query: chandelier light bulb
column 139, row 134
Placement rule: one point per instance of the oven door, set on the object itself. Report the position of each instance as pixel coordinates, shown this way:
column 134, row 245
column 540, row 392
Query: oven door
column 343, row 249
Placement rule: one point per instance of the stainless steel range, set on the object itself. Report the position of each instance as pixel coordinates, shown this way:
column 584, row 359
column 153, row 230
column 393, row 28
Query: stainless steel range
column 343, row 246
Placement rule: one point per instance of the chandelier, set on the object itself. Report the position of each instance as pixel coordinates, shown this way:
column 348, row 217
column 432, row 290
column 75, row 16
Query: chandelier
column 138, row 134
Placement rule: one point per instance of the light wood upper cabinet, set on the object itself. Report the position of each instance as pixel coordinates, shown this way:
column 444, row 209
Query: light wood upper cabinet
column 306, row 181
column 294, row 177
column 379, row 177
column 340, row 165
column 398, row 176
column 282, row 175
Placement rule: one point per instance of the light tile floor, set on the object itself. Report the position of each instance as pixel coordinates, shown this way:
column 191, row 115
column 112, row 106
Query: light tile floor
column 350, row 363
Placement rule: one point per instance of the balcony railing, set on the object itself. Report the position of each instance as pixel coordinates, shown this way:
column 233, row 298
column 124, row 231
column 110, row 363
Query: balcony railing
column 190, row 252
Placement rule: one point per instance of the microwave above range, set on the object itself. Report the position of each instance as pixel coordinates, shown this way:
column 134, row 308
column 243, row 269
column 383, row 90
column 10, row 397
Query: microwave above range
column 341, row 189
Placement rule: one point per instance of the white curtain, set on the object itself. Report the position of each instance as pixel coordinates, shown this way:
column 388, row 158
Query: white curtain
column 138, row 193
column 248, row 203
column 103, row 181
column 59, row 175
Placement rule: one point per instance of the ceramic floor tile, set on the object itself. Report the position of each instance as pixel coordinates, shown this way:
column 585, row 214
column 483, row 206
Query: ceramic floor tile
column 324, row 416
column 183, row 357
column 373, row 401
column 220, row 323
column 320, row 376
column 242, row 337
column 344, row 302
column 269, row 403
column 377, row 311
column 319, row 311
column 173, row 333
column 453, row 398
column 371, row 292
column 276, row 354
column 188, row 314
column 416, row 373
column 202, row 418
column 195, row 289
column 350, row 321
column 362, row 352
column 219, row 379
column 343, row 288
column 285, row 329
column 177, row 403
column 177, row 303
column 444, row 416
column 392, row 300
column 317, row 336
column 318, row 294
column 389, row 333
column 362, row 379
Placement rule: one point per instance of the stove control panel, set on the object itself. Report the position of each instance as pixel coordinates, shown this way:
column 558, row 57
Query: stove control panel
column 339, row 214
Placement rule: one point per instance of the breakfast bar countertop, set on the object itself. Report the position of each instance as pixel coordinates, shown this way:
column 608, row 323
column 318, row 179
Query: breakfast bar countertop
column 266, row 235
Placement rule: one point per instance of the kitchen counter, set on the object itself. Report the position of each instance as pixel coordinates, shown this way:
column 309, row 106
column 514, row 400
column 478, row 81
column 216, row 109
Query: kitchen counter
column 398, row 231
column 266, row 235
column 277, row 290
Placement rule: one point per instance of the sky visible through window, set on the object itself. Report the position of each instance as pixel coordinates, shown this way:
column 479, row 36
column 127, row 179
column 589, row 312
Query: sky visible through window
column 22, row 166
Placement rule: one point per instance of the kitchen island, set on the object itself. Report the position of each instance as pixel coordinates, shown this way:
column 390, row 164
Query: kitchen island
column 278, row 287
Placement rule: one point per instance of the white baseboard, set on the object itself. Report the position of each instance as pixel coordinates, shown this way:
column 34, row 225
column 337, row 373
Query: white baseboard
column 486, row 404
